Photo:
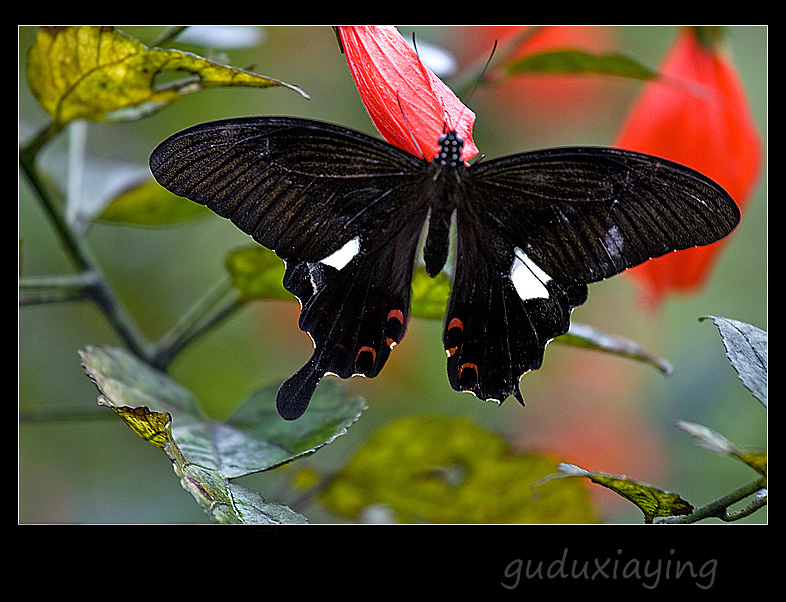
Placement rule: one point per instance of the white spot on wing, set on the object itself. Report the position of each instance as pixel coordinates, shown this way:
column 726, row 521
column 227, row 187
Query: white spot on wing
column 344, row 255
column 614, row 242
column 528, row 279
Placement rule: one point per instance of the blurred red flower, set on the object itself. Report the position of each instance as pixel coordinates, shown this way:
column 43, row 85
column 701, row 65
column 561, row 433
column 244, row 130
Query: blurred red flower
column 409, row 105
column 539, row 104
column 698, row 115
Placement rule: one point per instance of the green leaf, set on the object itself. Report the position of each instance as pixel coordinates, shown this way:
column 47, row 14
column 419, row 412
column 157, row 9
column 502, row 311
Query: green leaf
column 572, row 61
column 756, row 459
column 150, row 204
column 257, row 273
column 449, row 470
column 652, row 501
column 207, row 454
column 581, row 335
column 429, row 295
column 98, row 73
column 746, row 348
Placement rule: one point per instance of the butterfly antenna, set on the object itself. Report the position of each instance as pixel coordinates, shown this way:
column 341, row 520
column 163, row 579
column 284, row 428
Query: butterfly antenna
column 339, row 40
column 482, row 73
column 480, row 77
column 423, row 67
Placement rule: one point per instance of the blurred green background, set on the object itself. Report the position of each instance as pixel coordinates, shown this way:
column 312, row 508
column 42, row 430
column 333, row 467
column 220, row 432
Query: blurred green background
column 592, row 409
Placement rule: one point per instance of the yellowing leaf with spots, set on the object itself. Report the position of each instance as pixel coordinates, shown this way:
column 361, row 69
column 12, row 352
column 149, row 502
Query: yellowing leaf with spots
column 652, row 501
column 91, row 72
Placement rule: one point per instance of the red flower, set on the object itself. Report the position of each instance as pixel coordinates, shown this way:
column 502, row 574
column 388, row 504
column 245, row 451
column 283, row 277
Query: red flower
column 698, row 116
column 404, row 98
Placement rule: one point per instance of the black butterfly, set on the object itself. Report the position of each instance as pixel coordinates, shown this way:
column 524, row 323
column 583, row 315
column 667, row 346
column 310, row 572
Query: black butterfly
column 345, row 212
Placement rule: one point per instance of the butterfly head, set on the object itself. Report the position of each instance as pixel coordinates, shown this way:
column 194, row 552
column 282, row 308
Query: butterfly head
column 451, row 146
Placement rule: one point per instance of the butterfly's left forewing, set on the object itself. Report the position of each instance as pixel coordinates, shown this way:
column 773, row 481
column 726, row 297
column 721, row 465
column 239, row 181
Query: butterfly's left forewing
column 584, row 214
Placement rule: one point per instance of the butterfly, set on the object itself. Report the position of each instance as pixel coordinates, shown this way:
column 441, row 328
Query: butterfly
column 345, row 211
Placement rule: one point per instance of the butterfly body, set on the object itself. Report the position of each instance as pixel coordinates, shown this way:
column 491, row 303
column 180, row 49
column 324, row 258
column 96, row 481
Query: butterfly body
column 345, row 211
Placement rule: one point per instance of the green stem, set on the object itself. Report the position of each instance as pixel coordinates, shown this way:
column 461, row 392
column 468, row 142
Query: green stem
column 719, row 507
column 198, row 319
column 759, row 502
column 94, row 285
column 70, row 241
column 170, row 34
column 55, row 289
column 60, row 415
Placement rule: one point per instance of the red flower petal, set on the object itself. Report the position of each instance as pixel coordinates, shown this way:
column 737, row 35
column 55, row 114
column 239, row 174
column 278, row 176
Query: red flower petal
column 707, row 127
column 409, row 105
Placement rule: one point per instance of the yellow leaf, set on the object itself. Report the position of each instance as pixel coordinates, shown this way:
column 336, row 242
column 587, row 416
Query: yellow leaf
column 91, row 72
column 149, row 204
column 448, row 470
column 154, row 427
column 257, row 273
column 652, row 501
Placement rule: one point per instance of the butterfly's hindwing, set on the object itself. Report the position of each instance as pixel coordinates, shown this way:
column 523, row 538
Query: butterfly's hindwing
column 503, row 311
column 355, row 312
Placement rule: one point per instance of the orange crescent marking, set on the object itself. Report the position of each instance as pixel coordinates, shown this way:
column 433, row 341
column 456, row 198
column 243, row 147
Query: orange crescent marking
column 471, row 366
column 396, row 314
column 368, row 349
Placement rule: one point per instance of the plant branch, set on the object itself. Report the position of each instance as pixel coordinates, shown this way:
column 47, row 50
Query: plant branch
column 719, row 507
column 197, row 320
column 27, row 157
column 90, row 283
column 60, row 415
column 55, row 289
column 169, row 34
column 759, row 501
